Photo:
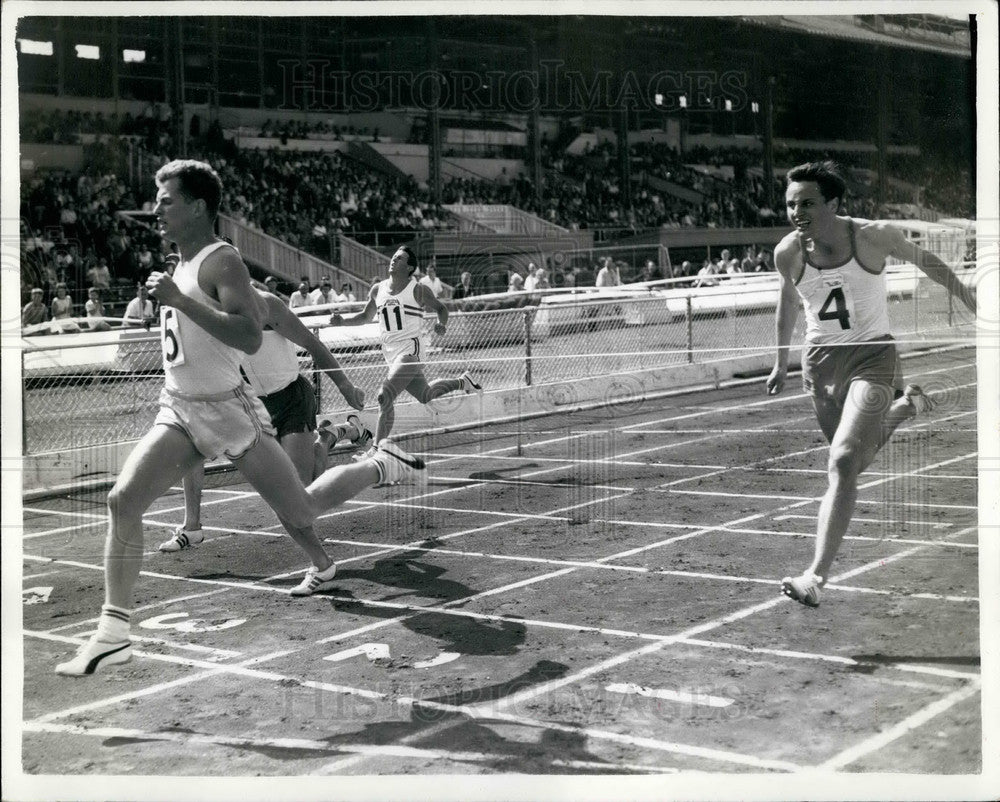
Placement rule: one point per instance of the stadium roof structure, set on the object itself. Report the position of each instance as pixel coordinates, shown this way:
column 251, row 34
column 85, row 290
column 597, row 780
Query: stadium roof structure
column 913, row 31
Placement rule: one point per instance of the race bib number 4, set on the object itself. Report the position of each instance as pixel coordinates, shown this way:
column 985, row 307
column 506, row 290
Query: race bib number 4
column 173, row 351
column 839, row 303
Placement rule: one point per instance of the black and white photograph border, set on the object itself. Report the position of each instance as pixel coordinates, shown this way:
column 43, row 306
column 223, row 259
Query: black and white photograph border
column 549, row 475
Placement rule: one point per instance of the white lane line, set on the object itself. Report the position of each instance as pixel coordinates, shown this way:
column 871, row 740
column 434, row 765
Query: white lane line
column 326, row 747
column 147, row 519
column 44, row 723
column 61, row 529
column 683, row 697
column 863, row 538
column 323, row 746
column 441, row 457
column 830, row 658
column 718, row 755
column 861, row 520
column 904, row 727
column 544, row 688
column 640, row 569
column 32, row 577
column 64, row 513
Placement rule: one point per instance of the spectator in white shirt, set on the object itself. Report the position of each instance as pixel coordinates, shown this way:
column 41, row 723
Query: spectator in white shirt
column 608, row 275
column 95, row 311
column 347, row 291
column 432, row 282
column 139, row 311
column 300, row 297
column 325, row 294
column 531, row 278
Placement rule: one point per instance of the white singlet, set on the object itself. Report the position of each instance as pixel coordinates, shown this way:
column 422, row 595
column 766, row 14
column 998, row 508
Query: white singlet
column 195, row 362
column 843, row 303
column 274, row 366
column 399, row 316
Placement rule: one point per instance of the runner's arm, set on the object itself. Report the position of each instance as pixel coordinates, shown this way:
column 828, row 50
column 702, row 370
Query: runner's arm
column 425, row 297
column 366, row 315
column 223, row 274
column 932, row 266
column 784, row 322
column 284, row 321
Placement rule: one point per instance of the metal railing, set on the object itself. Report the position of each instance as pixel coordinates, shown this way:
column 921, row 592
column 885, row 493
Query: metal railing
column 100, row 394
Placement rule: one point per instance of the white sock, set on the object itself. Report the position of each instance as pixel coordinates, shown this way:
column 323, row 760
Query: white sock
column 113, row 625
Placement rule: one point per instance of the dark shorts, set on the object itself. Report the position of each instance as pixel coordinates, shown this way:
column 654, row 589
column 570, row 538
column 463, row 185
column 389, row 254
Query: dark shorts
column 828, row 370
column 293, row 408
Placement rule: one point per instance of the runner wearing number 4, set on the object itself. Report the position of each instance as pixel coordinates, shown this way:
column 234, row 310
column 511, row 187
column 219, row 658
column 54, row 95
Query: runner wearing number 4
column 211, row 319
column 398, row 303
column 834, row 266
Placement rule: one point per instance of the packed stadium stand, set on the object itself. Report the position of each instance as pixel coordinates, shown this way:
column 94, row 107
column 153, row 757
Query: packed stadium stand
column 308, row 177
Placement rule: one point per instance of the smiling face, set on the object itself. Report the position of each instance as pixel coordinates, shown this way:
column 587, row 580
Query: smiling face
column 807, row 210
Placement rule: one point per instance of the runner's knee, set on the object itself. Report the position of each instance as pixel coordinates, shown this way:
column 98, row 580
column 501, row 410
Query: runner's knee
column 844, row 461
column 386, row 396
column 121, row 503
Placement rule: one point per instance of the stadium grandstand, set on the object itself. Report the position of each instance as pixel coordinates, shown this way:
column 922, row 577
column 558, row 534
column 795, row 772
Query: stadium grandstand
column 596, row 207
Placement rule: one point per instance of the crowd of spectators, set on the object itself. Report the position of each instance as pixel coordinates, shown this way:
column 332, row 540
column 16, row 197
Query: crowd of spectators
column 319, row 129
column 71, row 127
column 72, row 236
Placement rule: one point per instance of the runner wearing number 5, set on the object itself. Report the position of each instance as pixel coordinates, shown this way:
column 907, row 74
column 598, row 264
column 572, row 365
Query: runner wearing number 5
column 398, row 304
column 834, row 266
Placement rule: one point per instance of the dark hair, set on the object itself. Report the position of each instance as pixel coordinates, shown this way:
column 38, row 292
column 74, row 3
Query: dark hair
column 196, row 180
column 411, row 258
column 826, row 175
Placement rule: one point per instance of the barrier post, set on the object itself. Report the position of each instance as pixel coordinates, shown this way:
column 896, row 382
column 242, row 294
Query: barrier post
column 690, row 331
column 527, row 348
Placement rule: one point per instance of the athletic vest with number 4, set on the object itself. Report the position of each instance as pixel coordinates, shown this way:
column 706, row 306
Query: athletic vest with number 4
column 843, row 303
column 399, row 316
column 195, row 362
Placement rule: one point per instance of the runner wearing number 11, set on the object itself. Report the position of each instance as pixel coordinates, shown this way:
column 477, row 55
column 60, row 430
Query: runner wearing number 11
column 834, row 267
column 398, row 304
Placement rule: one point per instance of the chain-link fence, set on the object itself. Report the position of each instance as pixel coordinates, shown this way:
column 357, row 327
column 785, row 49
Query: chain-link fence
column 98, row 391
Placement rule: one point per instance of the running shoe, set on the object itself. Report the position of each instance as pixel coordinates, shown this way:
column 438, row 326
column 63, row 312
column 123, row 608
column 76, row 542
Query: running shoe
column 315, row 581
column 182, row 539
column 469, row 384
column 804, row 589
column 95, row 654
column 363, row 436
column 394, row 464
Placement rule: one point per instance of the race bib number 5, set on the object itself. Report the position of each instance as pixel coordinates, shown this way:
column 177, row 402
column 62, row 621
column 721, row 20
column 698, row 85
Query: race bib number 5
column 173, row 351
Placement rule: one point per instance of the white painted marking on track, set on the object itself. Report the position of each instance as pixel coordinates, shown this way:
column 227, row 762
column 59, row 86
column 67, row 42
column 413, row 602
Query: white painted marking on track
column 373, row 651
column 442, row 659
column 683, row 697
column 36, row 595
column 189, row 625
column 904, row 727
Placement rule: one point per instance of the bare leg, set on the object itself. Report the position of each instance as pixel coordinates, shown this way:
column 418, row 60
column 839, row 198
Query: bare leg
column 194, row 483
column 857, row 440
column 401, row 373
column 271, row 473
column 425, row 391
column 300, row 448
column 321, row 455
column 158, row 461
column 341, row 483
